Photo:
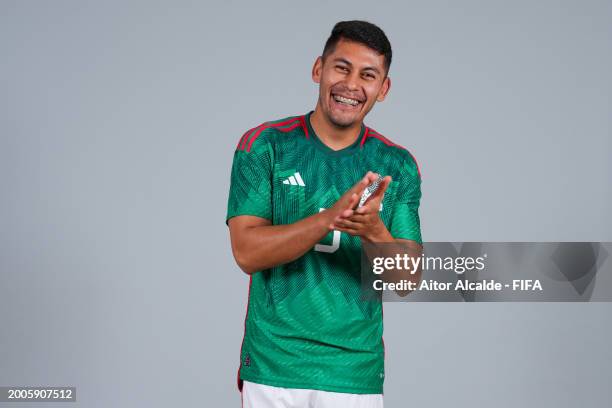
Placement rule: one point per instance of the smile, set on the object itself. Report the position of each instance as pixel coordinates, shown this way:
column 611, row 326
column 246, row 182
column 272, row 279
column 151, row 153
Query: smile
column 346, row 101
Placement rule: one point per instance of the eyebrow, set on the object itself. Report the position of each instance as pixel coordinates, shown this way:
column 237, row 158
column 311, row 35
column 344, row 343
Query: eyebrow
column 347, row 62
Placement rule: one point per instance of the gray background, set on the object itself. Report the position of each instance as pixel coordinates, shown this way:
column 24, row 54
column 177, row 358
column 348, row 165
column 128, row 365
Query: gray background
column 118, row 122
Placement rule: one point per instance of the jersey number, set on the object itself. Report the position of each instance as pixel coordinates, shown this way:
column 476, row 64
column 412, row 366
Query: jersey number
column 334, row 245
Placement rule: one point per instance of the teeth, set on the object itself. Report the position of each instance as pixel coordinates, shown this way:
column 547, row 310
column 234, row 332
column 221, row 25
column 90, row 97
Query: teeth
column 346, row 100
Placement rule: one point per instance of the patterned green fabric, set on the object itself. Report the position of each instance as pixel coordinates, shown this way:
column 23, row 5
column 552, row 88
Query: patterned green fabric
column 306, row 326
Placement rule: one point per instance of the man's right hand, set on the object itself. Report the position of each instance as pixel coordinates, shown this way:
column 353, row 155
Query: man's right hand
column 349, row 199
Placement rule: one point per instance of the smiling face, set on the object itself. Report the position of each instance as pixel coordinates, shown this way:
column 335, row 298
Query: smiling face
column 351, row 78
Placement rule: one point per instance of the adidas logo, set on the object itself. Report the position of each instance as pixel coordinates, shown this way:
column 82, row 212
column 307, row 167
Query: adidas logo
column 295, row 180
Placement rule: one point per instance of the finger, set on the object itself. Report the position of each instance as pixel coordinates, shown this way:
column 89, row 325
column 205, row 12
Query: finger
column 363, row 183
column 367, row 179
column 349, row 231
column 362, row 210
column 345, row 223
column 347, row 213
column 370, row 207
column 359, row 218
column 371, row 176
column 384, row 184
column 377, row 197
column 353, row 201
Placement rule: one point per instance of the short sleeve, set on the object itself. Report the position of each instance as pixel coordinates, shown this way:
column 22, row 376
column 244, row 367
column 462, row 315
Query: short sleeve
column 250, row 190
column 405, row 222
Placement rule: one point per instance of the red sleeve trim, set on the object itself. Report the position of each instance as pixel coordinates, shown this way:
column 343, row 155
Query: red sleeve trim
column 244, row 137
column 267, row 125
column 249, row 137
column 372, row 133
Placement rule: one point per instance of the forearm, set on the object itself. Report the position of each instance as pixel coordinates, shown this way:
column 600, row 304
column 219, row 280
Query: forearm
column 262, row 247
column 390, row 248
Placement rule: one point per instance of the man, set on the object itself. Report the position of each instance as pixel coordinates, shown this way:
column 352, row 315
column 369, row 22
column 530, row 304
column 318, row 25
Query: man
column 296, row 230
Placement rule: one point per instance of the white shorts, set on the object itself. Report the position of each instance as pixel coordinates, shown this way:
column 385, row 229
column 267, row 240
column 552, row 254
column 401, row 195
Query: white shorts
column 266, row 396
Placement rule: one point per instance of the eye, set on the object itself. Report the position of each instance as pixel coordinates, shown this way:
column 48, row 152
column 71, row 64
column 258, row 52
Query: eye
column 369, row 76
column 341, row 68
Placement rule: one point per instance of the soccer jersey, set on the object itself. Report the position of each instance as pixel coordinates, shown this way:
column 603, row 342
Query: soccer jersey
column 306, row 326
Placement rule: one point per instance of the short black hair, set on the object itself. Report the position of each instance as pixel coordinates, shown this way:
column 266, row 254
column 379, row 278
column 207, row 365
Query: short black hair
column 362, row 32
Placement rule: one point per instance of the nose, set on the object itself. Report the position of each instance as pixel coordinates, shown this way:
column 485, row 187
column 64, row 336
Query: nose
column 352, row 81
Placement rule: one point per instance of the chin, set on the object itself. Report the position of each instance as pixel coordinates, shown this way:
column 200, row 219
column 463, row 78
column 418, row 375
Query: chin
column 343, row 120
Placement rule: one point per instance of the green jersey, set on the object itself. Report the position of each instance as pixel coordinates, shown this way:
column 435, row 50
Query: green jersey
column 306, row 326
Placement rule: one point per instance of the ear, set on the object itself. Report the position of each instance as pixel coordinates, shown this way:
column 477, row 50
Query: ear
column 384, row 89
column 316, row 70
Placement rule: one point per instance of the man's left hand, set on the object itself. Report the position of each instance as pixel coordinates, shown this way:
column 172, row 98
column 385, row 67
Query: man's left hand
column 365, row 221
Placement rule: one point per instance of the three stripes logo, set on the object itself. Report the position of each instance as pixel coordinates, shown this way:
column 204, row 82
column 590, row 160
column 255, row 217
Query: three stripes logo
column 295, row 180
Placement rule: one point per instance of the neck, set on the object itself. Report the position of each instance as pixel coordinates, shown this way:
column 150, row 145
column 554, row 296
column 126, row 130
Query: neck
column 333, row 136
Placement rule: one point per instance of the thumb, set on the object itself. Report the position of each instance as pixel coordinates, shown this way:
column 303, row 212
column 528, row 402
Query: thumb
column 363, row 183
